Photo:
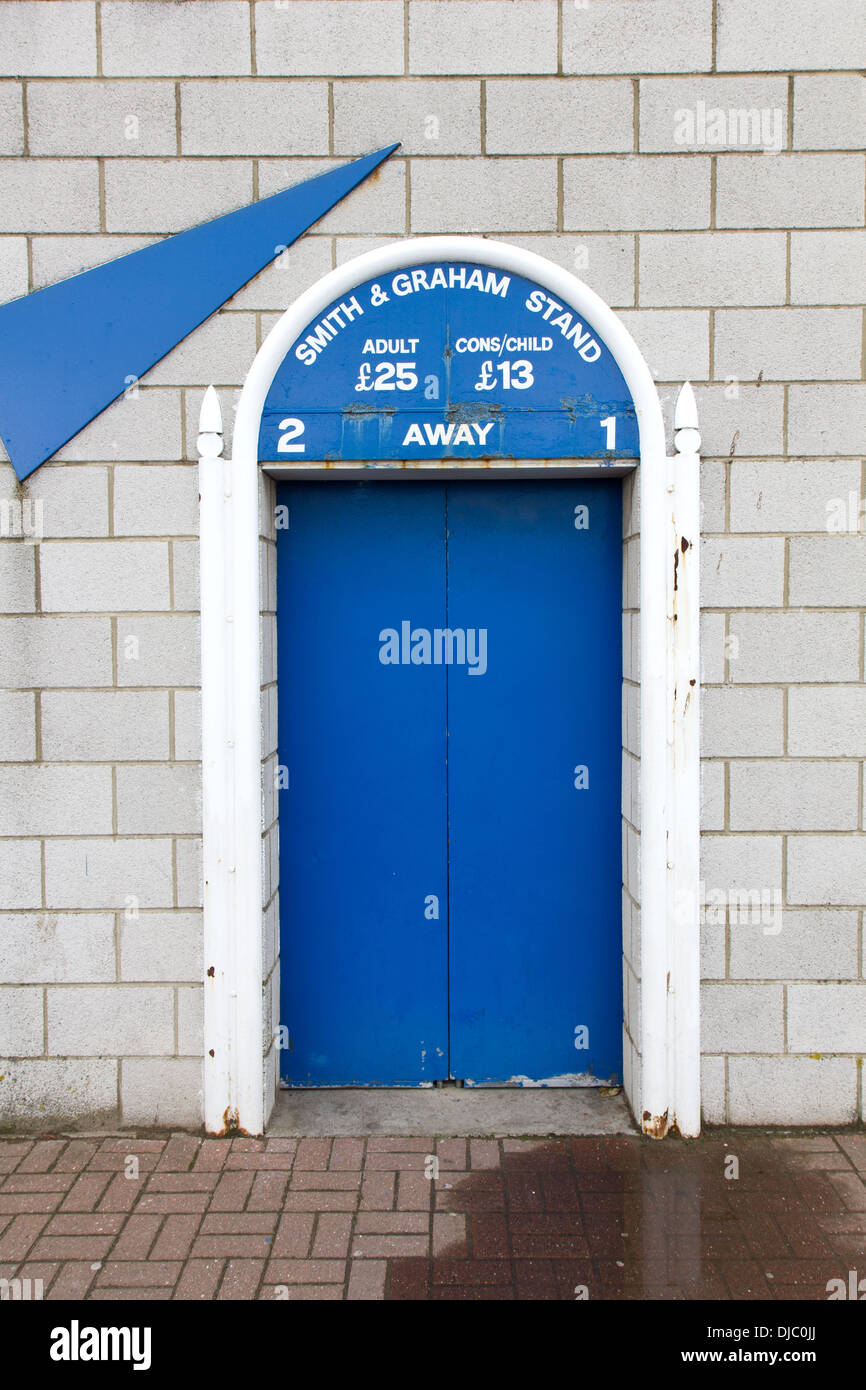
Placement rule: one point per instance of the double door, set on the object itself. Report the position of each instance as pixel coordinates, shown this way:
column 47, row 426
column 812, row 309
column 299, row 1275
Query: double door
column 450, row 745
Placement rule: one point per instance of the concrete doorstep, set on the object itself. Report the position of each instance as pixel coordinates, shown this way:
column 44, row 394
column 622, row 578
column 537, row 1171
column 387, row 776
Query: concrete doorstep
column 497, row 1112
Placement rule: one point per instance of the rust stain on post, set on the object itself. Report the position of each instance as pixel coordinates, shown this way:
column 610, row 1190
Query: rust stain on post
column 230, row 1127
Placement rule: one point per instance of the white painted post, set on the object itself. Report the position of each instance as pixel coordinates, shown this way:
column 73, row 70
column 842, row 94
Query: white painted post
column 246, row 869
column 683, row 766
column 217, row 764
column 655, row 1062
column 231, row 782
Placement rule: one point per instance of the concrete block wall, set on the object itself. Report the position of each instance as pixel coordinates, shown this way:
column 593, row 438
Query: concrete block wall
column 613, row 136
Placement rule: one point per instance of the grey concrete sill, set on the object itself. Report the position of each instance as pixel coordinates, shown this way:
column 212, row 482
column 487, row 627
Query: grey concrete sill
column 492, row 1112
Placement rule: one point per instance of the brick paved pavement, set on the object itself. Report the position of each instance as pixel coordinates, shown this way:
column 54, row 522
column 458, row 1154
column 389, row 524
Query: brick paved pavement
column 623, row 1218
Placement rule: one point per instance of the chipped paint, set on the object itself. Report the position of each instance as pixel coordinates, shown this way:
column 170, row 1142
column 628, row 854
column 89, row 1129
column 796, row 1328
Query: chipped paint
column 569, row 1078
column 655, row 1126
column 230, row 1125
column 464, row 412
column 362, row 408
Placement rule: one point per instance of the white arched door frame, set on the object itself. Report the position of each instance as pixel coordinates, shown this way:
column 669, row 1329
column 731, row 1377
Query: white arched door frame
column 668, row 1092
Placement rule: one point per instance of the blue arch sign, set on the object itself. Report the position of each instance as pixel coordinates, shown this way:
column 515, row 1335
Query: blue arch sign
column 448, row 360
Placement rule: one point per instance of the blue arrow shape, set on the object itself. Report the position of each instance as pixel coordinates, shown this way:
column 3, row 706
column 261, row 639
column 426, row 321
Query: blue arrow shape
column 67, row 351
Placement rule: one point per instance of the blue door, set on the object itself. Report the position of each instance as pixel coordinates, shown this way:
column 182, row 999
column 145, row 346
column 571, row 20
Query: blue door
column 534, row 752
column 450, row 675
column 362, row 831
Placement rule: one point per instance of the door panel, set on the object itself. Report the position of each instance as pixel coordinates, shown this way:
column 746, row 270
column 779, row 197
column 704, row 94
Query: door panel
column 432, row 808
column 362, row 823
column 535, row 862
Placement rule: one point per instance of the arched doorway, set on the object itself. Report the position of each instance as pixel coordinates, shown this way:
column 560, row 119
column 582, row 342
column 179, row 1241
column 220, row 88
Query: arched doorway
column 661, row 1050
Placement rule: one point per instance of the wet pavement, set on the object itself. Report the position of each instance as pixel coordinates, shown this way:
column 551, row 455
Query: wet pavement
column 735, row 1215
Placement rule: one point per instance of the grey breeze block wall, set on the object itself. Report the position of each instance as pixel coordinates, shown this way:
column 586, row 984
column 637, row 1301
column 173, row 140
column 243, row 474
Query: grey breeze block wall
column 606, row 135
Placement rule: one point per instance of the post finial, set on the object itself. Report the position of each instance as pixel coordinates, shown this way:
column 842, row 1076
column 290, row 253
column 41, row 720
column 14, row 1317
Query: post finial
column 687, row 438
column 210, row 426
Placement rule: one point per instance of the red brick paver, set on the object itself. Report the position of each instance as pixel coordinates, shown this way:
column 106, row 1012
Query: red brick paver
column 433, row 1219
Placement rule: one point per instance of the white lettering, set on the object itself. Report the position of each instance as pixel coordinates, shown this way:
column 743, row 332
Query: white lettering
column 443, row 646
column 76, row 1343
column 459, row 277
column 441, row 434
